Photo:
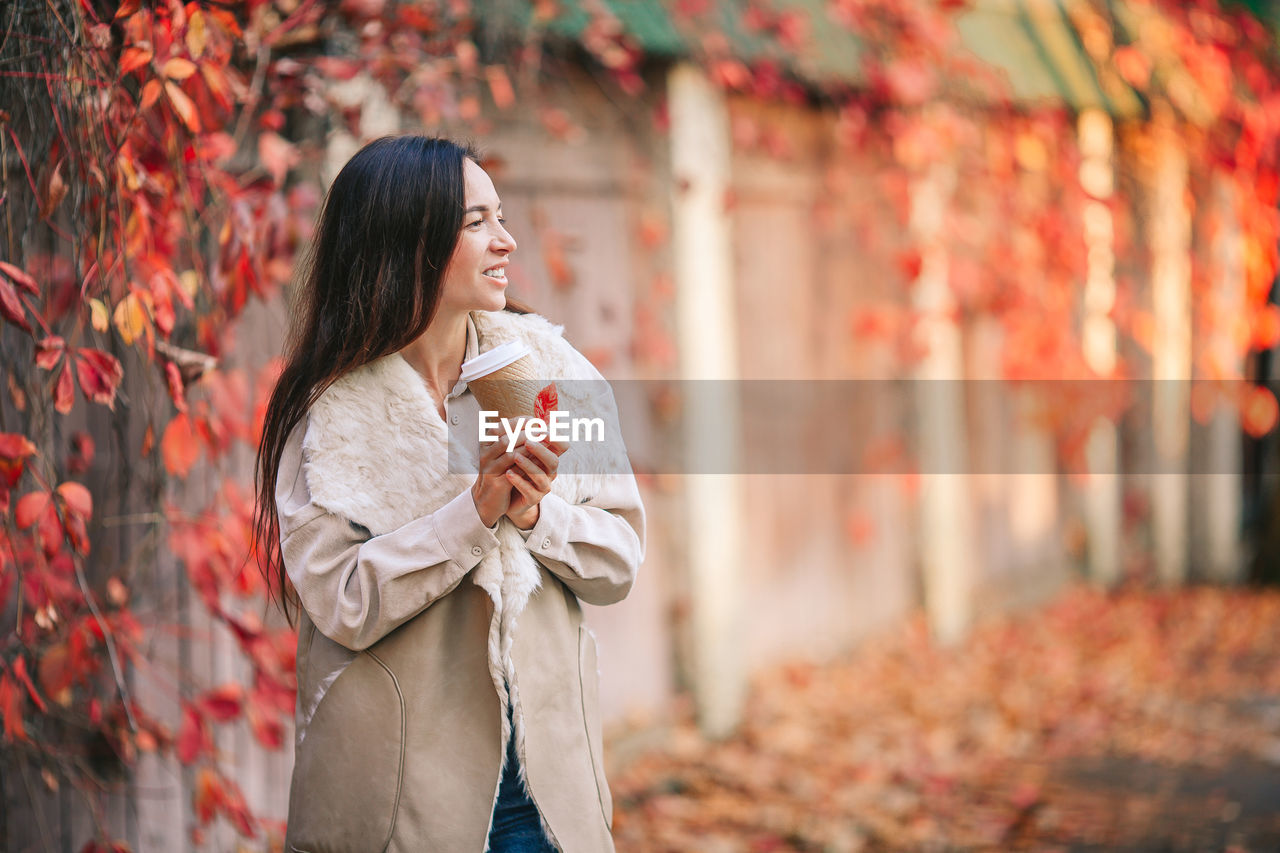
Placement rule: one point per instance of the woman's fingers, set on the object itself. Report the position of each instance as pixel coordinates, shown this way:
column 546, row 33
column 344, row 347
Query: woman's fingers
column 539, row 477
column 545, row 456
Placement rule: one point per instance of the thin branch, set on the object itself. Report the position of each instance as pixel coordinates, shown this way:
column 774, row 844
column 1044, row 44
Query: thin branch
column 35, row 808
column 111, row 645
column 247, row 110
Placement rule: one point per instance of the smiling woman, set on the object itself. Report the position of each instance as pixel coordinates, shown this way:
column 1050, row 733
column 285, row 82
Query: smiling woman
column 408, row 576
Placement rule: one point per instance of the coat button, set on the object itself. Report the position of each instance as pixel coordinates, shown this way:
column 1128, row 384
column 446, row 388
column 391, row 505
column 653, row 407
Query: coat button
column 477, row 550
column 546, row 543
column 454, row 420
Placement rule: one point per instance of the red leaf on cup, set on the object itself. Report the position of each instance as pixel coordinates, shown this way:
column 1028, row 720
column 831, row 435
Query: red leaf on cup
column 545, row 402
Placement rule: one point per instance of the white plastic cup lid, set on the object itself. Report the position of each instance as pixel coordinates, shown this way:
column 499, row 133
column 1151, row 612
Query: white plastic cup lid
column 494, row 359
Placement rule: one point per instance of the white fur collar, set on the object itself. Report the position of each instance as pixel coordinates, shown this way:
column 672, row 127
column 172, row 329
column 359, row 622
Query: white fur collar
column 376, row 452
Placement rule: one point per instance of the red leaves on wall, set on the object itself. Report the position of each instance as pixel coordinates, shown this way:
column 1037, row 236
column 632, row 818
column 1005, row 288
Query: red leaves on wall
column 180, row 446
column 99, row 375
column 14, row 451
column 194, row 738
column 11, row 709
column 11, row 304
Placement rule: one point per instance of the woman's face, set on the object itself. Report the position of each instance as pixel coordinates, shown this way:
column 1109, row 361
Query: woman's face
column 484, row 244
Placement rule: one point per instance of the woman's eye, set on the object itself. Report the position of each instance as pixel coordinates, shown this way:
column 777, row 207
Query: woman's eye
column 474, row 224
column 503, row 221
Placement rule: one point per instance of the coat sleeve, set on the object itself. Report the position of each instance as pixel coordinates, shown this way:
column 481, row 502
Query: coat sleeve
column 356, row 588
column 594, row 547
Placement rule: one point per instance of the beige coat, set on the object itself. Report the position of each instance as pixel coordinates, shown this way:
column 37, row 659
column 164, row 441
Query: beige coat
column 417, row 617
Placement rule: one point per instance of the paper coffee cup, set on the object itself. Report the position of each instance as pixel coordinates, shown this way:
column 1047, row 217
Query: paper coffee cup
column 504, row 380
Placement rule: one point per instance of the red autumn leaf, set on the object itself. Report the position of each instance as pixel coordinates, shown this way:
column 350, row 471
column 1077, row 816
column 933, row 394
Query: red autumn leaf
column 56, row 674
column 179, row 446
column 193, row 736
column 208, row 795
column 14, row 448
column 177, row 392
column 178, row 68
column 1259, row 411
column 21, row 278
column 134, row 58
column 1133, row 65
column 82, row 450
column 909, row 264
column 99, row 374
column 64, row 391
column 183, row 106
column 277, row 155
column 236, row 810
column 545, row 402
column 20, row 671
column 500, row 88
column 11, row 306
column 266, row 727
column 77, row 499
column 224, row 703
column 11, row 710
column 30, row 508
column 555, row 255
column 270, row 693
column 150, row 94
column 52, row 190
column 37, row 509
column 49, row 350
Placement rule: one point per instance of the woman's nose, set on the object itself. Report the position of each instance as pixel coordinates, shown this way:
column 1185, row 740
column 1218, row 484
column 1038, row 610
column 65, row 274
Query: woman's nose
column 505, row 239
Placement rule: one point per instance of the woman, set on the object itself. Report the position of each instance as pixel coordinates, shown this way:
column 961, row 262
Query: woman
column 447, row 694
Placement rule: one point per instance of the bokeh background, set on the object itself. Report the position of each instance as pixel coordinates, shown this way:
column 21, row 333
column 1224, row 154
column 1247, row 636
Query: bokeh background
column 1040, row 614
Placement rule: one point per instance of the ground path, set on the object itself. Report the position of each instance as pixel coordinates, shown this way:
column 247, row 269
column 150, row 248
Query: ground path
column 1142, row 721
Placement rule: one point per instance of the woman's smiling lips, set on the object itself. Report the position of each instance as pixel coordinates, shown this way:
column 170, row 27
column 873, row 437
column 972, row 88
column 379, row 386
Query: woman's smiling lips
column 499, row 272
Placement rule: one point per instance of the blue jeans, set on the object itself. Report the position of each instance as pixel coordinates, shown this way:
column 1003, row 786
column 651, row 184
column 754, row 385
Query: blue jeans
column 516, row 827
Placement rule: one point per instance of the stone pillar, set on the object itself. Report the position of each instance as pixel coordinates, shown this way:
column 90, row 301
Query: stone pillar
column 1102, row 498
column 1220, row 498
column 946, row 524
column 1170, row 240
column 706, row 332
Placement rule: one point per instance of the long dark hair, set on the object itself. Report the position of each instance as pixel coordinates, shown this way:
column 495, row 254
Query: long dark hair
column 369, row 285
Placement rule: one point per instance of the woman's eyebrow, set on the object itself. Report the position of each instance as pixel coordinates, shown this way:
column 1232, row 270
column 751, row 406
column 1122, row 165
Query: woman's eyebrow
column 480, row 207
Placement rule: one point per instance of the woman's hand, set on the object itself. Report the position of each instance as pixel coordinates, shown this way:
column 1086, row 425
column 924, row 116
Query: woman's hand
column 535, row 467
column 492, row 488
